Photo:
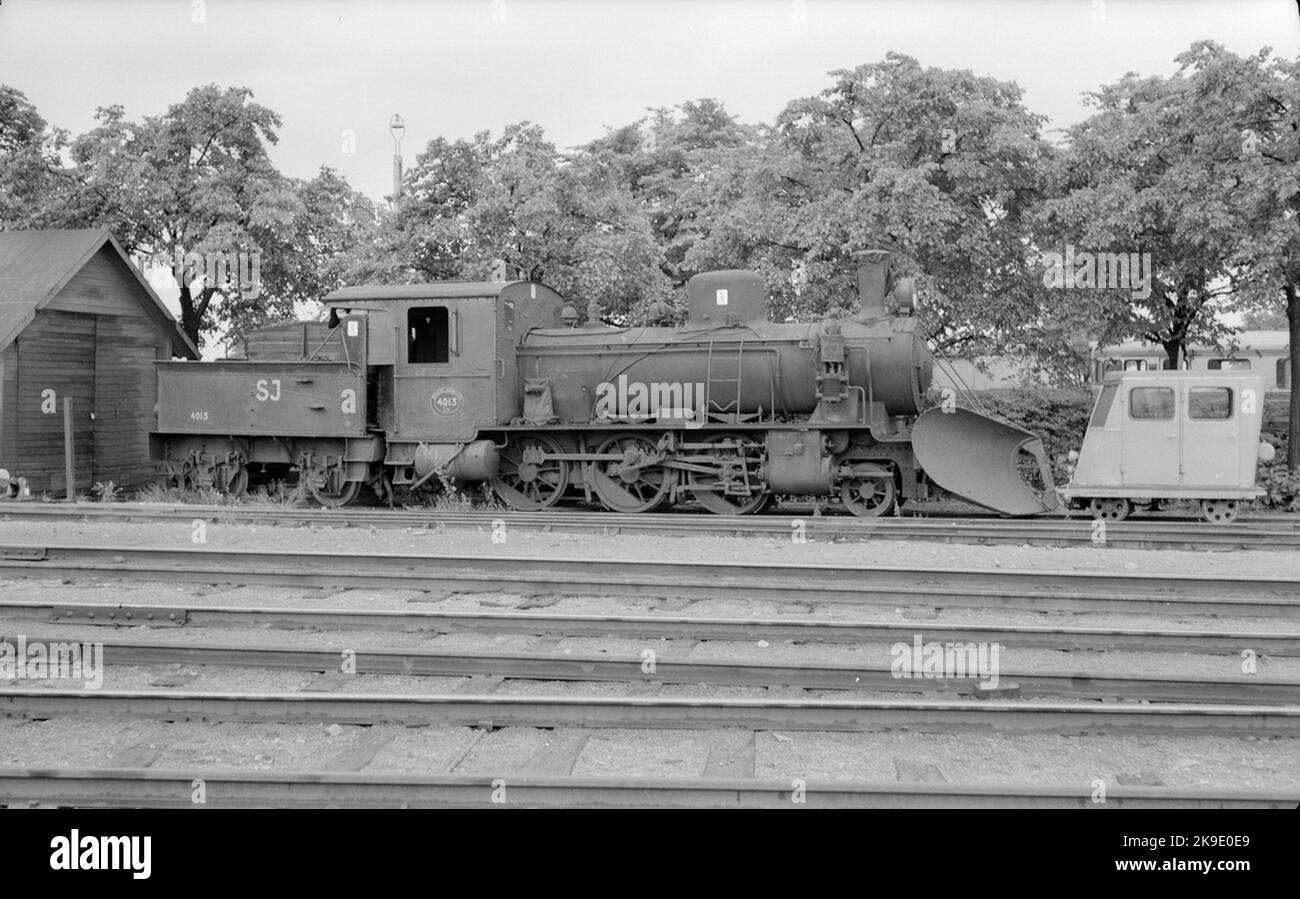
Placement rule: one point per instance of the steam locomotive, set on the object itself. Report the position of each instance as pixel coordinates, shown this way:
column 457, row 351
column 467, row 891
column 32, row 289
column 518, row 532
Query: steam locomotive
column 502, row 382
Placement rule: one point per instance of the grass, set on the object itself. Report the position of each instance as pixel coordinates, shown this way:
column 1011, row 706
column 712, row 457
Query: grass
column 457, row 498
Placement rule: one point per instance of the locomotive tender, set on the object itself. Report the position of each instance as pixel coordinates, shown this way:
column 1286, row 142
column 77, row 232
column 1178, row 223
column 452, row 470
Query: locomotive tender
column 498, row 382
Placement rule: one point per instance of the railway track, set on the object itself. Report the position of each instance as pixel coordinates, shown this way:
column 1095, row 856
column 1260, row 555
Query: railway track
column 1272, row 642
column 667, row 669
column 1257, row 533
column 1172, row 706
column 982, row 588
column 658, row 712
column 312, row 789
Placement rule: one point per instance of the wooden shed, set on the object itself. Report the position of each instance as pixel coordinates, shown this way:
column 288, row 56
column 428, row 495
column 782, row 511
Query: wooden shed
column 78, row 320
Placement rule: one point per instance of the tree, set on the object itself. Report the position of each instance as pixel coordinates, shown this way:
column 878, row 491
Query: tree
column 196, row 179
column 1200, row 170
column 938, row 166
column 474, row 207
column 35, row 189
column 321, row 249
column 662, row 160
column 1144, row 180
column 1250, row 114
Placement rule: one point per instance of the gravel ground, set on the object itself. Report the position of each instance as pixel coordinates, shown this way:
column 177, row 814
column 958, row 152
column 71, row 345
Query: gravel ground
column 1185, row 762
column 112, row 592
column 869, row 656
column 656, row 547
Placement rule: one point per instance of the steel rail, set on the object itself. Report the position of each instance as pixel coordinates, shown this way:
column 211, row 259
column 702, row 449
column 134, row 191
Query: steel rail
column 667, row 669
column 157, row 788
column 1264, row 533
column 942, row 716
column 1212, row 642
column 774, row 581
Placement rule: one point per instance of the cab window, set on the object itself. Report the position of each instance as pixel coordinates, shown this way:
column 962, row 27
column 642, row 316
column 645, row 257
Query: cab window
column 1229, row 365
column 1212, row 403
column 428, row 335
column 1102, row 409
column 1151, row 403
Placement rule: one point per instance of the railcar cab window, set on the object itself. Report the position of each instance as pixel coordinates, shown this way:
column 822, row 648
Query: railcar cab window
column 1151, row 403
column 1229, row 365
column 428, row 334
column 1102, row 408
column 1213, row 403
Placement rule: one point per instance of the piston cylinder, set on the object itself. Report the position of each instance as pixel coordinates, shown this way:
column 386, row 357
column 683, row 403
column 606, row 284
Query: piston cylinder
column 796, row 463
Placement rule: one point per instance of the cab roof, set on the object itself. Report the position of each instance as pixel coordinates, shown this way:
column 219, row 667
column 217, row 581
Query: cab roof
column 1116, row 377
column 441, row 290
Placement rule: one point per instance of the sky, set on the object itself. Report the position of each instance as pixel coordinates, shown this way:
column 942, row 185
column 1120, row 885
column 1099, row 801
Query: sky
column 337, row 71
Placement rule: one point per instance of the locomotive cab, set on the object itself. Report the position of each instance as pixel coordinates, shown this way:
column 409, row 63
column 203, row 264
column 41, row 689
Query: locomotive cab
column 452, row 370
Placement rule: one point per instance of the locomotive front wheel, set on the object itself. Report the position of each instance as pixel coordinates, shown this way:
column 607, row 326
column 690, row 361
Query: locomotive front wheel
column 1110, row 509
column 718, row 502
column 1219, row 511
column 526, row 480
column 869, row 497
column 628, row 484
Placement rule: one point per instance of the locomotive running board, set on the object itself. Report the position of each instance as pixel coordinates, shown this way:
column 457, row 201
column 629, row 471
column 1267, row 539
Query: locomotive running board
column 975, row 458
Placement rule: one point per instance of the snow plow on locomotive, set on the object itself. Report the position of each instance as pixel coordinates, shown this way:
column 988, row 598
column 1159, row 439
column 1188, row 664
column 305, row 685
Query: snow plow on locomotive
column 498, row 382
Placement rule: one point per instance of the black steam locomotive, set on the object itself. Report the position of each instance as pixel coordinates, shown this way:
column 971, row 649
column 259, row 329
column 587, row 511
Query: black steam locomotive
column 500, row 382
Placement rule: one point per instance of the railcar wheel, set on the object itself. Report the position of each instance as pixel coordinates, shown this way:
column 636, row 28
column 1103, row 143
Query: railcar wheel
column 1219, row 511
column 318, row 484
column 719, row 502
column 869, row 497
column 1110, row 509
column 527, row 481
column 237, row 483
column 636, row 482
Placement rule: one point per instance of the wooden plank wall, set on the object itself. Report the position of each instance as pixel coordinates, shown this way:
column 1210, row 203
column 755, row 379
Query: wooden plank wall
column 102, row 287
column 55, row 352
column 125, row 392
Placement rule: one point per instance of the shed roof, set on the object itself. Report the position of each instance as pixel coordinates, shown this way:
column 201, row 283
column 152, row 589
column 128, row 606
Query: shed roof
column 36, row 265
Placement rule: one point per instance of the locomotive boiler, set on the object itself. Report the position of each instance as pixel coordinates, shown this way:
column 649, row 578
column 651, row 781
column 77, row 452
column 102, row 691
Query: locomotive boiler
column 499, row 382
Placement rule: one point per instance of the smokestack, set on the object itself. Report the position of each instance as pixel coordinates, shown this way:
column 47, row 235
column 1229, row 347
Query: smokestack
column 873, row 277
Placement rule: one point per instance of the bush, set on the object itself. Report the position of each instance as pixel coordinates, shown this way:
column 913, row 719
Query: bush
column 1281, row 485
column 1058, row 416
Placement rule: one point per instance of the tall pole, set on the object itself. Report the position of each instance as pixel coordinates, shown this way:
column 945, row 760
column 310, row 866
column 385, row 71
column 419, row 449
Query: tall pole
column 69, row 475
column 397, row 128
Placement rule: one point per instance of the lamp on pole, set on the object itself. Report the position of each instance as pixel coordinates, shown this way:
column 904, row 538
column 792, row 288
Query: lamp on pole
column 396, row 127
